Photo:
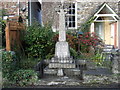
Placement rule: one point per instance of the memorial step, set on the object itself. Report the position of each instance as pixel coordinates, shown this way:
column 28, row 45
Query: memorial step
column 62, row 65
column 67, row 72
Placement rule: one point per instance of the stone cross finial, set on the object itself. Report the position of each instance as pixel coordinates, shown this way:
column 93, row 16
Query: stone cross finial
column 62, row 1
column 62, row 33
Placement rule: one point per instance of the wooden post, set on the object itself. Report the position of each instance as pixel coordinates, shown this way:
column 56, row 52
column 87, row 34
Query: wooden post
column 7, row 32
column 12, row 32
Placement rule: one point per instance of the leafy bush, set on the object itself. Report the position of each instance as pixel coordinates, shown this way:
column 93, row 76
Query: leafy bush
column 73, row 53
column 8, row 63
column 38, row 41
column 28, row 63
column 12, row 73
column 87, row 40
column 24, row 77
column 99, row 59
column 3, row 12
column 2, row 31
column 85, row 27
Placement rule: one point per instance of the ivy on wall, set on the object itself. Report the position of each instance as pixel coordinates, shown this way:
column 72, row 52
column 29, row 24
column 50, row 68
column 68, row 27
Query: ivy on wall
column 85, row 27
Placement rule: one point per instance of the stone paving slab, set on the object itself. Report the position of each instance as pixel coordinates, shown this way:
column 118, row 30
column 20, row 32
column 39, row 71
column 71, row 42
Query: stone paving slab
column 0, row 79
column 98, row 71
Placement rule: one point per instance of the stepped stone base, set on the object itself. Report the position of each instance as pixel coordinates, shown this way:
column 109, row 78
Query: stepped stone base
column 62, row 65
column 62, row 60
column 74, row 72
column 69, row 72
column 50, row 71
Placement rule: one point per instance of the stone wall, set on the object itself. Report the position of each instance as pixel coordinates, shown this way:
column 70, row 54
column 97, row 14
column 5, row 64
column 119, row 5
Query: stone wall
column 49, row 14
column 11, row 9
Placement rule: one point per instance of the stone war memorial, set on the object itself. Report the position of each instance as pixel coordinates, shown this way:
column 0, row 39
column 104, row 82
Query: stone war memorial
column 62, row 64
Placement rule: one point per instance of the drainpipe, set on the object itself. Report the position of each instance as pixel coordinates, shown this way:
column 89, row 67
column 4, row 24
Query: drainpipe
column 119, row 8
column 30, row 17
column 18, row 7
column 2, row 12
column 40, row 1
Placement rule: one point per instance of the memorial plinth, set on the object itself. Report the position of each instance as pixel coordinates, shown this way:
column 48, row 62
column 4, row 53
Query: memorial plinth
column 62, row 50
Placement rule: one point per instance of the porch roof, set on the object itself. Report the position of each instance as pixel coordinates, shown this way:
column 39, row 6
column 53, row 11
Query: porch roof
column 106, row 13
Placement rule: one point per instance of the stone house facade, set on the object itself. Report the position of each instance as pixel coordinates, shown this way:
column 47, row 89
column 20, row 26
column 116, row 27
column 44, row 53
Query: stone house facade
column 29, row 10
column 83, row 10
column 11, row 9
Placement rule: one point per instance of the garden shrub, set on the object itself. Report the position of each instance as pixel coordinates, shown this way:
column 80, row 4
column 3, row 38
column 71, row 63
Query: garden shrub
column 100, row 60
column 88, row 40
column 73, row 53
column 8, row 63
column 2, row 32
column 85, row 27
column 12, row 73
column 28, row 63
column 3, row 12
column 24, row 77
column 38, row 41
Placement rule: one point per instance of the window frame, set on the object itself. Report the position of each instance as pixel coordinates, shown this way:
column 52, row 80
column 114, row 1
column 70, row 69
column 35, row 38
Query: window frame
column 70, row 15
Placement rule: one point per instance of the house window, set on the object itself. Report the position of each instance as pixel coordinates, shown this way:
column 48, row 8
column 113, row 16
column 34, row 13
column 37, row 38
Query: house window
column 70, row 18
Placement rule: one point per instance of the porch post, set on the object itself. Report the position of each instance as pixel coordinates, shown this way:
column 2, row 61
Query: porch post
column 118, row 28
column 92, row 27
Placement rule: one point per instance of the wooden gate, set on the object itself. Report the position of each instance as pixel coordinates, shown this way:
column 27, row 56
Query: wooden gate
column 13, row 33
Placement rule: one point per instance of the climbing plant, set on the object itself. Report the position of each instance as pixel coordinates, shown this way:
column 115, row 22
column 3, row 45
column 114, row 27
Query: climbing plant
column 85, row 27
column 3, row 13
column 2, row 31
